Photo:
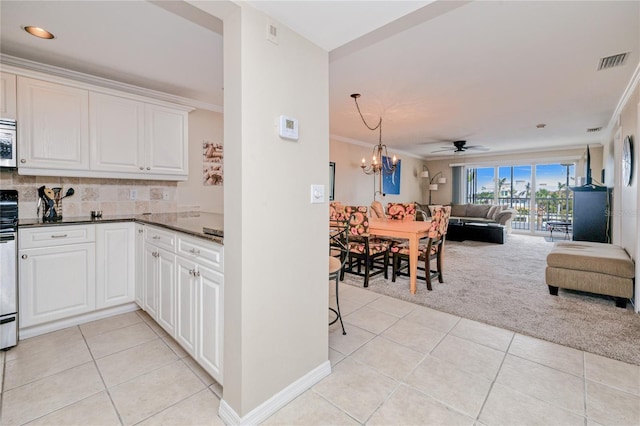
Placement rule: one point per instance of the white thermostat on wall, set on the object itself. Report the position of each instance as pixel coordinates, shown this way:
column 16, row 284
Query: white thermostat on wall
column 288, row 128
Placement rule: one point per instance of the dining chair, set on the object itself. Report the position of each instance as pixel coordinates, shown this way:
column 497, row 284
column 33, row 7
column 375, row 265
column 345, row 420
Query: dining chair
column 365, row 249
column 338, row 253
column 432, row 250
column 401, row 211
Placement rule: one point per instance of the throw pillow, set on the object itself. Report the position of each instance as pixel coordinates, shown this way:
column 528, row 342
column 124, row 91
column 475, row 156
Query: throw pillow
column 493, row 211
column 477, row 210
column 423, row 207
column 459, row 210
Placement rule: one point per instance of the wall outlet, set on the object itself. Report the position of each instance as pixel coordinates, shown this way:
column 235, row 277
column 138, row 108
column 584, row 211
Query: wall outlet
column 165, row 195
column 133, row 194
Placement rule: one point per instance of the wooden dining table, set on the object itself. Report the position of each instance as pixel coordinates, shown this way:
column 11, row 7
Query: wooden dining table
column 411, row 230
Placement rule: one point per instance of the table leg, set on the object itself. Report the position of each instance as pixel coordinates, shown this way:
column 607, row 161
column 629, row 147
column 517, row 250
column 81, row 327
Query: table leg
column 413, row 262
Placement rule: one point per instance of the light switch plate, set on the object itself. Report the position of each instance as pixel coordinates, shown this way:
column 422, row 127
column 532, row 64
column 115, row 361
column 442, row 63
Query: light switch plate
column 317, row 194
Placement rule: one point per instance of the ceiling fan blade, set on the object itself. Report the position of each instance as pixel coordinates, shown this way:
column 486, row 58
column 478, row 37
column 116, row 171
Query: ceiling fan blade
column 441, row 150
column 477, row 148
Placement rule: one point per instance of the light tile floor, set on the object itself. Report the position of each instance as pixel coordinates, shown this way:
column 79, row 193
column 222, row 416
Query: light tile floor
column 399, row 363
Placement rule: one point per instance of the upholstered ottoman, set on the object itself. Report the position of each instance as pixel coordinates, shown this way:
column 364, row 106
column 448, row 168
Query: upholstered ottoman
column 594, row 267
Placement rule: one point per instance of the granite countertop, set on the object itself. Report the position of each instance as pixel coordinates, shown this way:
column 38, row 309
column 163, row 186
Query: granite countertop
column 191, row 223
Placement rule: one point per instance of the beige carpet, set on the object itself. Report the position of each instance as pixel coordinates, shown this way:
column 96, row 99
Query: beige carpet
column 503, row 285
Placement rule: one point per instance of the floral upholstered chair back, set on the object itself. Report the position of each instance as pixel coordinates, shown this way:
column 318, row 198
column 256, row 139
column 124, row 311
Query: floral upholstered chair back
column 439, row 222
column 359, row 224
column 336, row 211
column 401, row 211
column 359, row 238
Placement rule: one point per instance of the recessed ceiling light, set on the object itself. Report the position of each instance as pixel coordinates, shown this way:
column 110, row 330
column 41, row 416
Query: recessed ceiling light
column 39, row 32
column 541, row 126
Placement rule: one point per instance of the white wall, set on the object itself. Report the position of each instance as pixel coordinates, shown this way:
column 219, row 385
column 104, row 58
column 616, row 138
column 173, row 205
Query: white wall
column 353, row 187
column 625, row 219
column 276, row 295
column 192, row 195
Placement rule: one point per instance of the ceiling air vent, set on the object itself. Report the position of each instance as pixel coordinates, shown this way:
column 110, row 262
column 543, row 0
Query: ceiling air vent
column 613, row 61
column 594, row 129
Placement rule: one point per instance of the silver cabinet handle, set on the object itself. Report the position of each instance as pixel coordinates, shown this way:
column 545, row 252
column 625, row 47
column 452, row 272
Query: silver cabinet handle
column 140, row 231
column 194, row 251
column 59, row 236
column 148, row 168
column 23, row 160
column 156, row 254
column 24, row 256
column 156, row 237
column 141, row 168
column 192, row 272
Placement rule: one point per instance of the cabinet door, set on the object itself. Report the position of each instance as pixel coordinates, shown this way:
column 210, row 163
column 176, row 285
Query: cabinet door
column 210, row 322
column 139, row 265
column 56, row 283
column 8, row 96
column 186, row 289
column 117, row 133
column 53, row 125
column 167, row 290
column 166, row 140
column 151, row 280
column 115, row 264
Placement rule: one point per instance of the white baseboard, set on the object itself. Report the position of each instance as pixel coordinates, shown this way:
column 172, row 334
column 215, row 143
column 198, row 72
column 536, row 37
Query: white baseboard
column 277, row 401
column 36, row 330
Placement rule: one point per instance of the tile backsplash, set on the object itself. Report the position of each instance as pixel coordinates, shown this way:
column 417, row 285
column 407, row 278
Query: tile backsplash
column 112, row 196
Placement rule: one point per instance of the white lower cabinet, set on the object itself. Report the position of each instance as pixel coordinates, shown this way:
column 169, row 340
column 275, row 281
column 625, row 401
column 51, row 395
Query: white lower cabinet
column 139, row 264
column 166, row 264
column 182, row 290
column 209, row 321
column 57, row 272
column 115, row 267
column 150, row 281
column 186, row 287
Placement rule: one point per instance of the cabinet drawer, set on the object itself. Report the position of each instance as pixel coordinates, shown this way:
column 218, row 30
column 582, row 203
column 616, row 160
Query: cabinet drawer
column 48, row 236
column 202, row 252
column 160, row 238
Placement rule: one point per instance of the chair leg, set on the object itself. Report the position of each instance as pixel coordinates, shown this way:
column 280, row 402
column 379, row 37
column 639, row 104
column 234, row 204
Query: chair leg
column 338, row 308
column 439, row 262
column 394, row 266
column 386, row 265
column 427, row 273
column 366, row 271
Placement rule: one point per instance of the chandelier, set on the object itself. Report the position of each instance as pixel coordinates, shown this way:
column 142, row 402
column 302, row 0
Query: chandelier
column 378, row 164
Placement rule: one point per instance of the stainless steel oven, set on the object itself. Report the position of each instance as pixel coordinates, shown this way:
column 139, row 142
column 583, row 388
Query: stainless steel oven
column 8, row 144
column 8, row 266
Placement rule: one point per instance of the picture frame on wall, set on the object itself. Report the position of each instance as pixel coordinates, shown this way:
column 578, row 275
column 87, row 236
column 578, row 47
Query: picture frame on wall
column 391, row 182
column 332, row 180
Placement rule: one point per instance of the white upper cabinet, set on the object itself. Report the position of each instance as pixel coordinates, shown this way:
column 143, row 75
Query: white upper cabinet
column 53, row 124
column 166, row 136
column 117, row 133
column 71, row 128
column 8, row 107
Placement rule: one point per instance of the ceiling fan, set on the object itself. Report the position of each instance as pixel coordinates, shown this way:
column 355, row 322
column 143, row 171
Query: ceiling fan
column 461, row 146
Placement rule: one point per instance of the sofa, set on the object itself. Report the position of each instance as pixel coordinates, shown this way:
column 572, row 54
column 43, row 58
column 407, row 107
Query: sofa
column 483, row 213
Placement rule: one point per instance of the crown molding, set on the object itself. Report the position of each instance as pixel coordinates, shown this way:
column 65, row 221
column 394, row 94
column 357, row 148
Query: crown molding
column 6, row 60
column 614, row 122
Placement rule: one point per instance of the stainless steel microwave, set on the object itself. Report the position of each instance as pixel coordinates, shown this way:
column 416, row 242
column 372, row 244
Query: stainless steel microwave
column 8, row 144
